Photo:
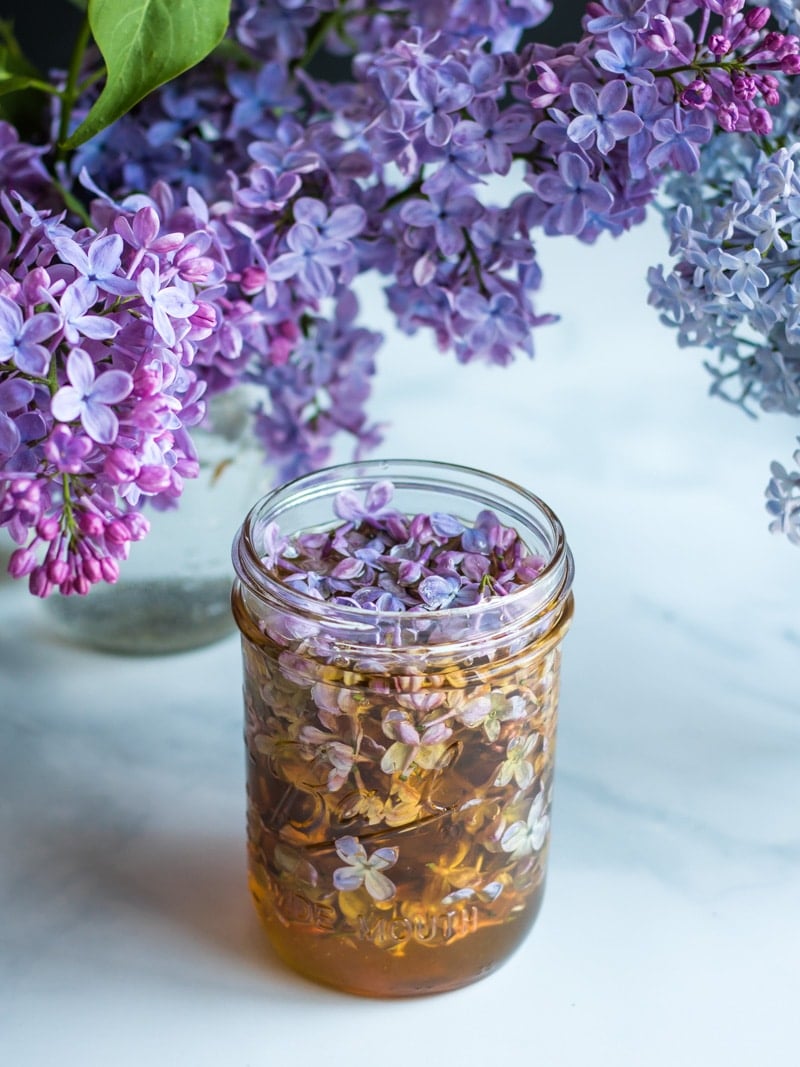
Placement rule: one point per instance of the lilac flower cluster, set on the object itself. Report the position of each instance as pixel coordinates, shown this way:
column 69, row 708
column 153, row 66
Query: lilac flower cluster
column 734, row 287
column 379, row 559
column 98, row 334
column 237, row 204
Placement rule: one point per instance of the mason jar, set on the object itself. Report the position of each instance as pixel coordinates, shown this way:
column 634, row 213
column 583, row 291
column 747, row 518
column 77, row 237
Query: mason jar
column 399, row 764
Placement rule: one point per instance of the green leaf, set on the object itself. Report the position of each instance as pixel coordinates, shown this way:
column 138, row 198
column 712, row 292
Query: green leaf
column 145, row 43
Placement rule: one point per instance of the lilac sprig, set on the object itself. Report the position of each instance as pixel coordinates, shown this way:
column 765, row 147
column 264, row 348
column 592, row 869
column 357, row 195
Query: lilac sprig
column 380, row 559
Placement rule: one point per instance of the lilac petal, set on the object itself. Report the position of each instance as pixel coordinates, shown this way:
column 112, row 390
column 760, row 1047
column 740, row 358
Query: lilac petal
column 551, row 188
column 15, row 393
column 349, row 848
column 470, row 303
column 40, row 327
column 66, row 404
column 80, row 370
column 346, row 221
column 584, row 98
column 10, row 317
column 513, row 126
column 33, row 359
column 100, row 423
column 9, row 436
column 597, row 198
column 573, row 216
column 71, row 252
column 378, row 885
column 626, row 124
column 347, row 506
column 574, row 170
column 333, row 253
column 286, row 266
column 302, row 238
column 163, row 324
column 438, row 129
column 96, row 328
column 378, row 496
column 418, row 213
column 318, row 279
column 383, row 858
column 612, row 97
column 581, row 128
column 347, row 880
column 424, row 84
column 112, row 386
column 310, row 211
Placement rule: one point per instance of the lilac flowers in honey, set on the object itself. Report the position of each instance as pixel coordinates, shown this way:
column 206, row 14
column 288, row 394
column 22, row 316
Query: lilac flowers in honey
column 381, row 560
column 401, row 644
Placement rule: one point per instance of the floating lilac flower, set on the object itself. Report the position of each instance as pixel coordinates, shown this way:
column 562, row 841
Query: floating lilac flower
column 364, row 870
column 525, row 837
column 89, row 398
column 517, row 765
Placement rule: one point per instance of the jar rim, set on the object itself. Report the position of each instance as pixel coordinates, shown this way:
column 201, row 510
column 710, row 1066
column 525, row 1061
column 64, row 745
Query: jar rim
column 552, row 582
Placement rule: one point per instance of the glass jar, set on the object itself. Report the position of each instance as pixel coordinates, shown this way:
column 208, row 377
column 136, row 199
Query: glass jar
column 173, row 592
column 400, row 764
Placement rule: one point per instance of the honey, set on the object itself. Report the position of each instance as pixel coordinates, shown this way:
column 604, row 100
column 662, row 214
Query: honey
column 399, row 792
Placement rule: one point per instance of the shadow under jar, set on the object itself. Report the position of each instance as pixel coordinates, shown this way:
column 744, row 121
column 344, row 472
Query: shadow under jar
column 400, row 763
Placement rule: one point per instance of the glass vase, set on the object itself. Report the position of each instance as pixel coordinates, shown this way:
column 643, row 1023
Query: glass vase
column 390, row 876
column 173, row 592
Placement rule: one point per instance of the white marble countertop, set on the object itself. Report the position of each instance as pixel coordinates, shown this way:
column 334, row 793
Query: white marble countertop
column 670, row 934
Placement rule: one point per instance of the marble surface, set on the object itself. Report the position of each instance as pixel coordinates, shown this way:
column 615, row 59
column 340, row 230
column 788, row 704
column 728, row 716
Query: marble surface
column 670, row 933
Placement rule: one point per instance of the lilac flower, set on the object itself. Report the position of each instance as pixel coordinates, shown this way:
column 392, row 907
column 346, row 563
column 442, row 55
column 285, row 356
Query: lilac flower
column 436, row 101
column 573, row 195
column 602, row 115
column 678, row 144
column 629, row 15
column 495, row 131
column 66, row 450
column 170, row 302
column 15, row 395
column 89, row 398
column 318, row 242
column 20, row 339
column 525, row 837
column 448, row 213
column 364, row 870
column 78, row 299
column 99, row 267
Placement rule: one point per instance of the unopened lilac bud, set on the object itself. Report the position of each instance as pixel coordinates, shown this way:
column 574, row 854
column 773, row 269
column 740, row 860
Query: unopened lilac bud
column 728, row 116
column 146, row 381
column 81, row 585
column 91, row 569
column 153, row 478
column 253, row 280
column 719, row 45
column 47, row 528
column 117, row 531
column 744, row 87
column 38, row 582
column 57, row 571
column 757, row 17
column 760, row 121
column 90, row 524
column 697, row 94
column 790, row 64
column 137, row 524
column 121, row 466
column 205, row 318
column 195, row 269
column 109, row 568
column 659, row 35
column 21, row 563
column 773, row 41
